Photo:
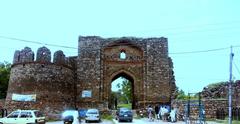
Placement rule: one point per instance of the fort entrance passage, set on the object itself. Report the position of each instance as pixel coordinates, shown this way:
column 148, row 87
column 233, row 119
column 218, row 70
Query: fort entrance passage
column 144, row 62
column 122, row 91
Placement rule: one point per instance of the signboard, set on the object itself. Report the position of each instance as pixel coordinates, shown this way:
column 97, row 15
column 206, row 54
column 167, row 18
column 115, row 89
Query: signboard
column 23, row 98
column 86, row 94
column 82, row 112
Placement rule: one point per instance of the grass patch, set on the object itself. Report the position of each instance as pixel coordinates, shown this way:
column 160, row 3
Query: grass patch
column 137, row 117
column 226, row 121
column 125, row 106
column 52, row 120
column 107, row 117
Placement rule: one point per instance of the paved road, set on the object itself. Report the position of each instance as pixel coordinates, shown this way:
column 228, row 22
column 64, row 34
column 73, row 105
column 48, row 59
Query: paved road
column 146, row 121
column 135, row 121
column 83, row 122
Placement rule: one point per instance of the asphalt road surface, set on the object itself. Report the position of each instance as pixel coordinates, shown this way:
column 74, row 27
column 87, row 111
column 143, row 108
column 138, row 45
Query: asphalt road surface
column 135, row 121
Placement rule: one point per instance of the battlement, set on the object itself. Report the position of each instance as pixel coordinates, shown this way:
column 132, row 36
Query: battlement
column 26, row 55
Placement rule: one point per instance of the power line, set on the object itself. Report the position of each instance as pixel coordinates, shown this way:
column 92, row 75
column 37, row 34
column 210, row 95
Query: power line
column 235, row 65
column 204, row 51
column 201, row 51
column 17, row 39
column 69, row 47
column 36, row 42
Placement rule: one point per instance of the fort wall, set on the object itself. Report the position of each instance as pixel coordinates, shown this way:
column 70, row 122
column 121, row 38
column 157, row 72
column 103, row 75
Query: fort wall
column 52, row 83
column 213, row 100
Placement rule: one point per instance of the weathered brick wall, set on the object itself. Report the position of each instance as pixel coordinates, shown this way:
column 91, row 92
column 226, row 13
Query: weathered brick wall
column 147, row 63
column 88, row 71
column 53, row 83
column 2, row 102
column 210, row 107
column 158, row 71
column 221, row 91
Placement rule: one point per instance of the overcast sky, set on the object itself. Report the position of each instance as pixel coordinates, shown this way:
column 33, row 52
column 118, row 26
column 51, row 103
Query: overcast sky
column 189, row 25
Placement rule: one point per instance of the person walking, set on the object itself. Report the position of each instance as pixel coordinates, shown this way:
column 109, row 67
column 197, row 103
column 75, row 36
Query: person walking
column 150, row 113
column 157, row 111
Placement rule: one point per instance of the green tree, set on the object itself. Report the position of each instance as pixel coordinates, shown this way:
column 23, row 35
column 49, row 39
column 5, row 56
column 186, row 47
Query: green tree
column 4, row 78
column 181, row 95
column 126, row 90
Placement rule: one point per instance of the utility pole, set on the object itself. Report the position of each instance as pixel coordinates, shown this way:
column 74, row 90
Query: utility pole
column 230, row 89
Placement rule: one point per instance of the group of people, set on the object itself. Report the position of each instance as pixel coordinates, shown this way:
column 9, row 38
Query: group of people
column 162, row 112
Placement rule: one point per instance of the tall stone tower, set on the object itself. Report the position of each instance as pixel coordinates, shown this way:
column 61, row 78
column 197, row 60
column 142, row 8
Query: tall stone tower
column 41, row 84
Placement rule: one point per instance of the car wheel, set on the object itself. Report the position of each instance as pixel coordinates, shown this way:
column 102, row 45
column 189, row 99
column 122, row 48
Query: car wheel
column 130, row 120
column 86, row 121
column 1, row 123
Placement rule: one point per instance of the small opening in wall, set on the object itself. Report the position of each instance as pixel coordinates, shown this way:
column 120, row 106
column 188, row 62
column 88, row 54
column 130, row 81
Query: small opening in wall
column 122, row 54
column 42, row 66
column 23, row 65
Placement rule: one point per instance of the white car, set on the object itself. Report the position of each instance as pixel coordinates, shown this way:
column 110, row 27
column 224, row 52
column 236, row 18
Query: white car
column 92, row 115
column 71, row 117
column 24, row 117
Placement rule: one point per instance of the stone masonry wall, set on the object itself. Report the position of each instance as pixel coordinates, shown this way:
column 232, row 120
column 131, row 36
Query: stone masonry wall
column 152, row 72
column 221, row 91
column 158, row 71
column 89, row 72
column 53, row 83
column 210, row 107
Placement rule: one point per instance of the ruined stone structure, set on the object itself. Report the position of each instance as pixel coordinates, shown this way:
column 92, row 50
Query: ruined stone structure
column 85, row 80
column 221, row 91
column 213, row 99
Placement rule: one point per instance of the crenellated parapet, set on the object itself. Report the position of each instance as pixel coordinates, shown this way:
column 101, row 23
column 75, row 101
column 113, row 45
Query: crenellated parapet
column 59, row 57
column 43, row 56
column 25, row 55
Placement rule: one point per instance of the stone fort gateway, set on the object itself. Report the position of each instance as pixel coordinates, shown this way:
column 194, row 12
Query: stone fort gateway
column 84, row 81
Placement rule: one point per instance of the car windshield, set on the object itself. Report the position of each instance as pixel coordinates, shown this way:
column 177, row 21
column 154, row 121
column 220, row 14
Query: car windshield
column 69, row 117
column 38, row 114
column 125, row 110
column 92, row 111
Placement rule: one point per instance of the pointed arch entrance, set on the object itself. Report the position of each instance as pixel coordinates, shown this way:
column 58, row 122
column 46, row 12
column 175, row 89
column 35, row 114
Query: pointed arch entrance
column 129, row 77
column 123, row 59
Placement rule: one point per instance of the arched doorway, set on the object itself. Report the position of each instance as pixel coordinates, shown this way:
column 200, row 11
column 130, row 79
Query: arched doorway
column 123, row 59
column 122, row 95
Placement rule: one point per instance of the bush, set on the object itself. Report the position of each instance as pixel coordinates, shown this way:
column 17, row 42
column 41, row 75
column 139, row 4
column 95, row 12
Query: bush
column 107, row 117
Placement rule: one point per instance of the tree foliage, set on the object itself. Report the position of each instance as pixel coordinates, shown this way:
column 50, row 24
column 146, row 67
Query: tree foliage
column 181, row 95
column 4, row 78
column 126, row 90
